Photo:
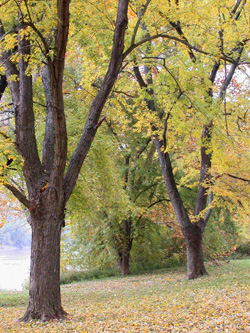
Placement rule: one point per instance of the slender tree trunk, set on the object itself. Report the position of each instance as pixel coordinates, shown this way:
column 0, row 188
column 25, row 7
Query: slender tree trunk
column 191, row 231
column 126, row 247
column 44, row 295
column 124, row 264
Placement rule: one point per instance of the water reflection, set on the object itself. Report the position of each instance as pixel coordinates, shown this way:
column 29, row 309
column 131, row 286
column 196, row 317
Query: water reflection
column 14, row 268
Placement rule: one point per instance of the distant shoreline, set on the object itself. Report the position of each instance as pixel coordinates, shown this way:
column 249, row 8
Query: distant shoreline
column 11, row 250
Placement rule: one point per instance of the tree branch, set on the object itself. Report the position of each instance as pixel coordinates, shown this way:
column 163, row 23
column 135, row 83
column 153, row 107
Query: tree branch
column 10, row 70
column 18, row 194
column 25, row 120
column 98, row 103
column 150, row 38
column 139, row 21
column 49, row 137
column 238, row 178
column 56, row 69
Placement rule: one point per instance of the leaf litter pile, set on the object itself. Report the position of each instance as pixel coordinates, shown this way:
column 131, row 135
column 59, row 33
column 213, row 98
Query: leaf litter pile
column 155, row 302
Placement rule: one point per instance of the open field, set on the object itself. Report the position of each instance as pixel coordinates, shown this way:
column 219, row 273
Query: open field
column 157, row 302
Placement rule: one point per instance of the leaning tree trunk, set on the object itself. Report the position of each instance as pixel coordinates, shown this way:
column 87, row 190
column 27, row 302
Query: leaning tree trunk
column 191, row 231
column 44, row 295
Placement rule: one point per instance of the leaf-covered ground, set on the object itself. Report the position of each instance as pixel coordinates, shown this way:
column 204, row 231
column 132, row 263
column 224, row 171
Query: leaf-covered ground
column 160, row 302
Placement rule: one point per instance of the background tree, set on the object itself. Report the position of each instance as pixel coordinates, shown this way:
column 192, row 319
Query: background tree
column 115, row 196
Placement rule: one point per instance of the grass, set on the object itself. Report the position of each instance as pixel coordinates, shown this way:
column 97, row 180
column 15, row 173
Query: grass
column 78, row 276
column 161, row 301
column 12, row 298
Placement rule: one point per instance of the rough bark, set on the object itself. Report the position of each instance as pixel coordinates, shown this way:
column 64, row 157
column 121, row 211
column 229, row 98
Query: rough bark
column 49, row 137
column 46, row 195
column 195, row 261
column 47, row 216
column 25, row 122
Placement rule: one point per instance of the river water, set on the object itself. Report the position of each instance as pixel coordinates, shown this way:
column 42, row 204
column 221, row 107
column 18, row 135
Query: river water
column 14, row 268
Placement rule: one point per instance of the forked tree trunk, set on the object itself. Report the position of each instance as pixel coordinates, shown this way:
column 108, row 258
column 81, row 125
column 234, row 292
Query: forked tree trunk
column 44, row 294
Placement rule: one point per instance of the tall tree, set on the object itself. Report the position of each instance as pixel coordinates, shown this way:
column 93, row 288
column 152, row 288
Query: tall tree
column 49, row 184
column 204, row 75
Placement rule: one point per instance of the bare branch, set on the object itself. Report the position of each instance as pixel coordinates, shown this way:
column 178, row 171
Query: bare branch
column 138, row 154
column 238, row 178
column 5, row 2
column 139, row 77
column 25, row 119
column 100, row 122
column 39, row 34
column 150, row 38
column 141, row 14
column 18, row 194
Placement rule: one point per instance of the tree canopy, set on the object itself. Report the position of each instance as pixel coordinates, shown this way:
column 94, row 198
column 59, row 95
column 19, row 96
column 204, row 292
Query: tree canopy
column 167, row 86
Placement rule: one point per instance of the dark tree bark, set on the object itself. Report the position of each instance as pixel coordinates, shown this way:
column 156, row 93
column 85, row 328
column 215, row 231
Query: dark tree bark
column 191, row 231
column 126, row 247
column 44, row 294
column 3, row 85
column 49, row 137
column 195, row 261
column 48, row 190
column 124, row 264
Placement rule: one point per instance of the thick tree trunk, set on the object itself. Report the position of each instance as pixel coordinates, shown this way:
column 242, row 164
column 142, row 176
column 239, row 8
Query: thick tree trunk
column 195, row 261
column 44, row 295
column 44, row 179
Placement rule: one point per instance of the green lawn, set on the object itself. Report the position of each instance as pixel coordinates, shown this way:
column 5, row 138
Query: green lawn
column 162, row 301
